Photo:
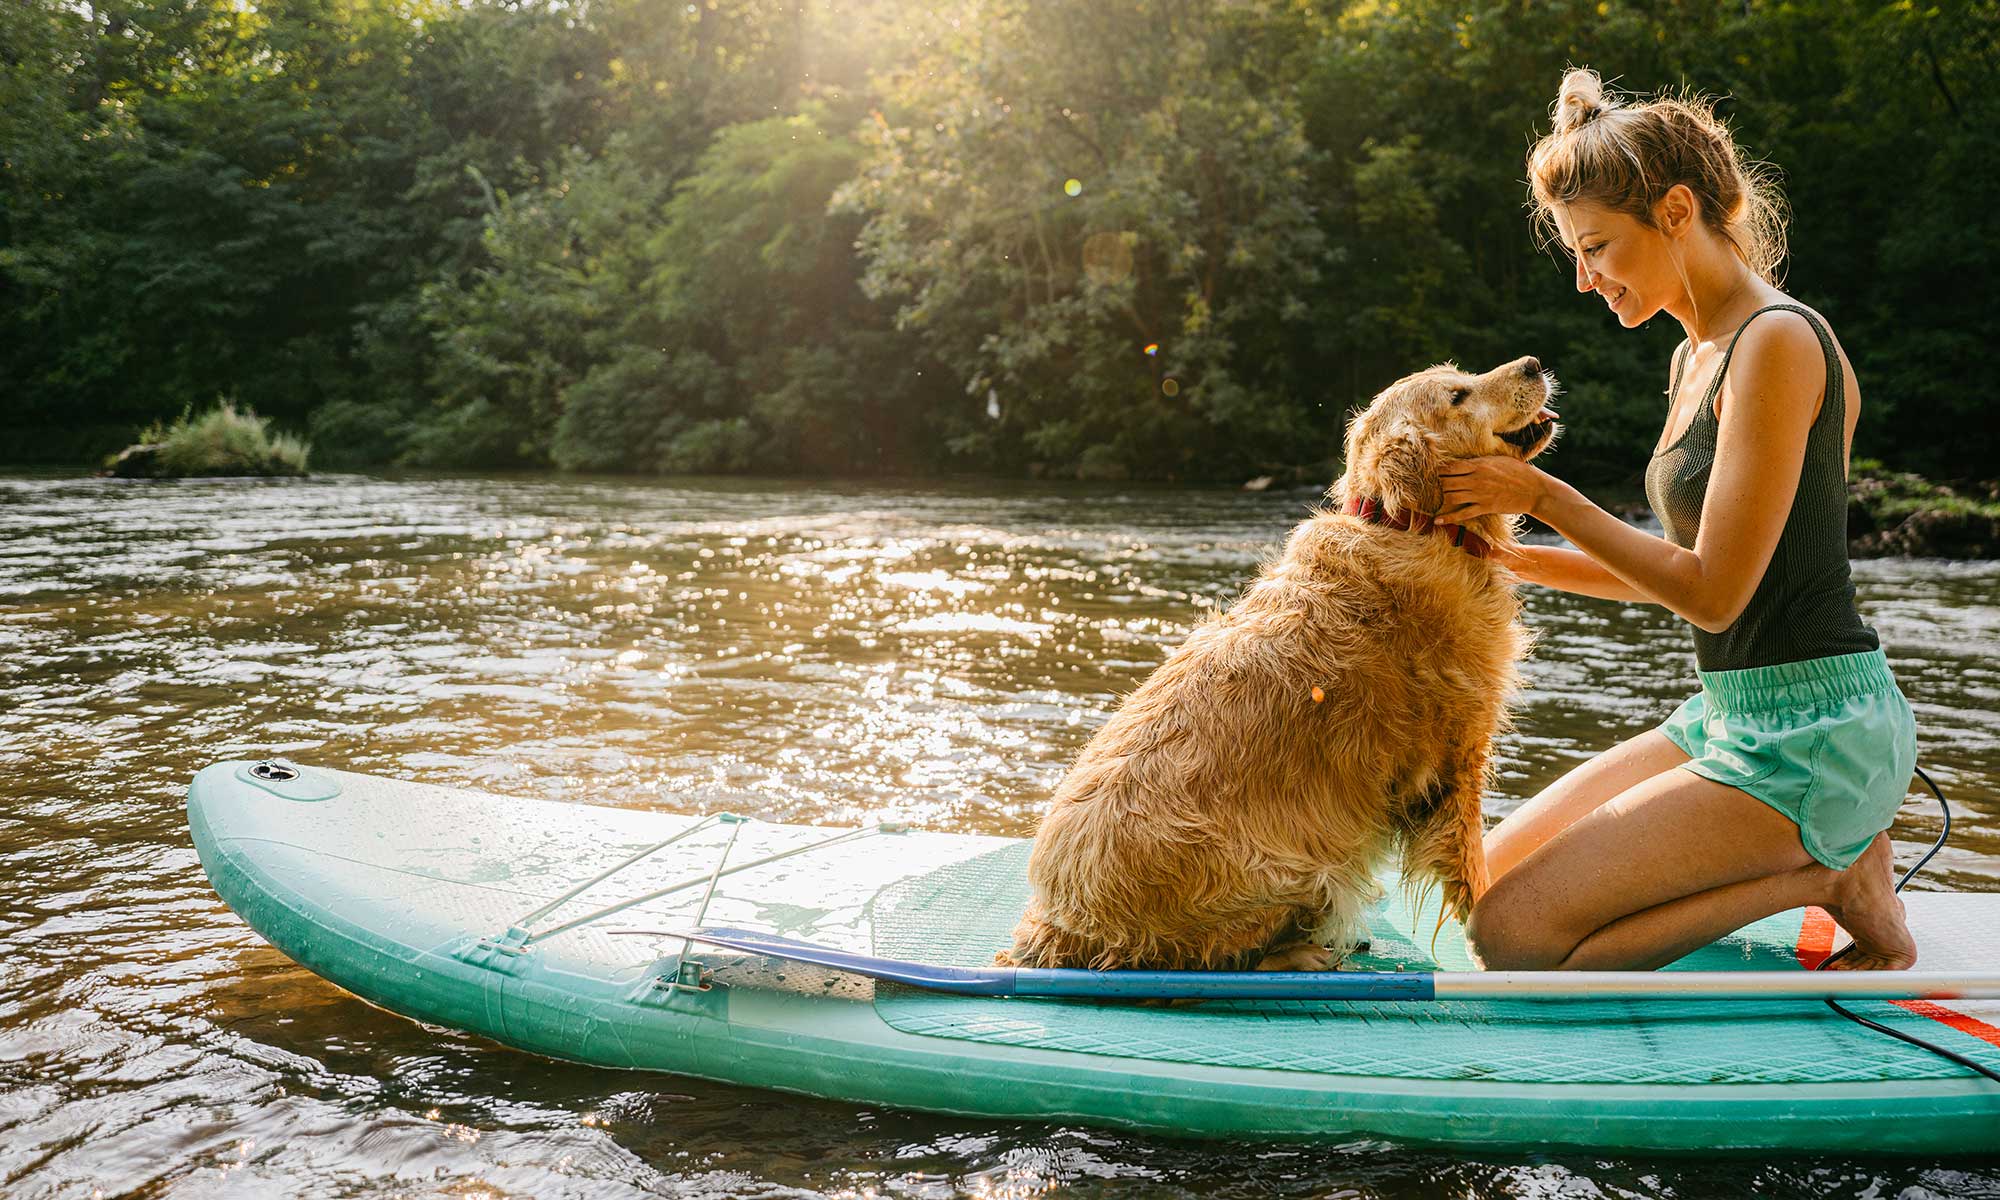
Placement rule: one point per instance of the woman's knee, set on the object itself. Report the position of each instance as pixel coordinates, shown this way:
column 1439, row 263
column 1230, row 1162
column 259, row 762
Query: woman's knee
column 1580, row 792
column 1504, row 934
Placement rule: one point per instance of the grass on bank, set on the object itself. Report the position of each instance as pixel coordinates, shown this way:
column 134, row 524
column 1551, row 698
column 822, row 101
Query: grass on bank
column 1892, row 494
column 222, row 441
column 1898, row 513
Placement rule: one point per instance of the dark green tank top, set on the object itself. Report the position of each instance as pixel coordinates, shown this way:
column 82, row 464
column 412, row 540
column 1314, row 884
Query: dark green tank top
column 1804, row 606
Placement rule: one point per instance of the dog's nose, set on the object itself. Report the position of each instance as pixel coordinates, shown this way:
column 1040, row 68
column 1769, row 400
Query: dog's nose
column 1531, row 367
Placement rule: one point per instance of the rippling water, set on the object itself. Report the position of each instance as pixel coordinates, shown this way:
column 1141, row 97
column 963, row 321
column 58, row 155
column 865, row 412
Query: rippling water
column 812, row 653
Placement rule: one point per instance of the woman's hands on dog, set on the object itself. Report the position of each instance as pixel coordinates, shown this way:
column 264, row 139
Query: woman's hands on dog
column 1474, row 487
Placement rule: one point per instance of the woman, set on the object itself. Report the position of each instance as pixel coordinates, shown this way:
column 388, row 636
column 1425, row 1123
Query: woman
column 1771, row 787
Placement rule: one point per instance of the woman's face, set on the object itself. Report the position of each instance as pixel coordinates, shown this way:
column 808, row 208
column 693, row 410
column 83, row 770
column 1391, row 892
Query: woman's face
column 1621, row 260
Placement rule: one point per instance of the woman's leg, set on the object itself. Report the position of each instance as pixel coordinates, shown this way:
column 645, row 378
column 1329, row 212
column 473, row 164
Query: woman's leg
column 1667, row 866
column 1862, row 899
column 1576, row 794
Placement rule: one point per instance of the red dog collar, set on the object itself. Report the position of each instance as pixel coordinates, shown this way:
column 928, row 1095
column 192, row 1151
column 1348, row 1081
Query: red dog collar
column 1370, row 509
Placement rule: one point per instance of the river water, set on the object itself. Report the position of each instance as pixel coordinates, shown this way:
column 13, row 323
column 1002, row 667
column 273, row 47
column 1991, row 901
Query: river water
column 822, row 653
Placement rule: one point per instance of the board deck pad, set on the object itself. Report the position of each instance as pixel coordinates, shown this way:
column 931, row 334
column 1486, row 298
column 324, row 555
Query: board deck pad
column 960, row 914
column 421, row 899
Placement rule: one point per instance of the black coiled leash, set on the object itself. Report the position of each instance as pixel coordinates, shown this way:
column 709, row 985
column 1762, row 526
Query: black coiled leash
column 1908, row 875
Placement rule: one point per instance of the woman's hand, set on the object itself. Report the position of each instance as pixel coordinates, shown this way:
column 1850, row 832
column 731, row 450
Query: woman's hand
column 1474, row 487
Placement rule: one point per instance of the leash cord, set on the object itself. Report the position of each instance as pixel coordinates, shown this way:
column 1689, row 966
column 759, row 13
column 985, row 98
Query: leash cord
column 1908, row 875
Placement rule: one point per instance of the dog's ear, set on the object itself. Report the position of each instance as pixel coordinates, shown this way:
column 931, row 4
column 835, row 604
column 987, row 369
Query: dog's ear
column 1407, row 466
column 1358, row 423
column 1399, row 468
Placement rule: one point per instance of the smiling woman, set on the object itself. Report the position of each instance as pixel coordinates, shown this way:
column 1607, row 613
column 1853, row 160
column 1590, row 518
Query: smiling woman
column 1771, row 787
column 1610, row 164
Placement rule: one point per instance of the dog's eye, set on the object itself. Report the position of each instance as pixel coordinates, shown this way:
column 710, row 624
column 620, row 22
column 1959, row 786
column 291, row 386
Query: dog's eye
column 1458, row 396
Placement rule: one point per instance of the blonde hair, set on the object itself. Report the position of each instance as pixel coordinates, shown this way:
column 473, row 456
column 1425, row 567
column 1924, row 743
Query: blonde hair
column 1624, row 157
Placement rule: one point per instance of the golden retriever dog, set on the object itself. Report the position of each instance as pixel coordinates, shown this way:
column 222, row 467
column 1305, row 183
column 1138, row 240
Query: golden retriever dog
column 1232, row 812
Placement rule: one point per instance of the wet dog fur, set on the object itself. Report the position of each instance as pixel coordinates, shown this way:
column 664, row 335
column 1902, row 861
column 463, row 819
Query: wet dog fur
column 1229, row 816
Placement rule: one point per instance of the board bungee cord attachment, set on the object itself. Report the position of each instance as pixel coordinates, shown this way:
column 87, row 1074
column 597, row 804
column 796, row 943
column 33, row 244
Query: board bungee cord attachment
column 1027, row 982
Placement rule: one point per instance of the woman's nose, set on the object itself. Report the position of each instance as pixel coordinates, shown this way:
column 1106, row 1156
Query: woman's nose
column 1586, row 278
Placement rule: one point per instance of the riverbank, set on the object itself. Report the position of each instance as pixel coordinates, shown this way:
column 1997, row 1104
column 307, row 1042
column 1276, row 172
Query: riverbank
column 1890, row 514
column 1896, row 513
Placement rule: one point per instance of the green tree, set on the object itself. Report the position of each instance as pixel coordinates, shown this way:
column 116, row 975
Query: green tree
column 1087, row 211
column 213, row 198
column 563, row 272
column 713, row 324
column 754, row 270
column 547, row 343
column 596, row 233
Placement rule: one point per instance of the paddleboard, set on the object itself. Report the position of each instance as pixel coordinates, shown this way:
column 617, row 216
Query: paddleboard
column 540, row 924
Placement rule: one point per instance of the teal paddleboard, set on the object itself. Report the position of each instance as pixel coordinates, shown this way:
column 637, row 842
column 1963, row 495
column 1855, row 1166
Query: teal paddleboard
column 540, row 924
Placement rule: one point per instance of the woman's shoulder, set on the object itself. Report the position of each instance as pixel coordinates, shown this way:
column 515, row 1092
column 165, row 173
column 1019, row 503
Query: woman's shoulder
column 1781, row 310
column 1783, row 328
column 1780, row 356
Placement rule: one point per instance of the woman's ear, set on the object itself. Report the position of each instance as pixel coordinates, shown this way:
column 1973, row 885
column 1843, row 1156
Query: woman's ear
column 1676, row 212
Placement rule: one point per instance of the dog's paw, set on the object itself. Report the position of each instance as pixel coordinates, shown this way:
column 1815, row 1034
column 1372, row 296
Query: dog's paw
column 1458, row 901
column 1005, row 958
column 1299, row 956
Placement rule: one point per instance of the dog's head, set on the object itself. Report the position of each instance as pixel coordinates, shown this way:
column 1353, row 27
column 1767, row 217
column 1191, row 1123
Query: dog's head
column 1418, row 423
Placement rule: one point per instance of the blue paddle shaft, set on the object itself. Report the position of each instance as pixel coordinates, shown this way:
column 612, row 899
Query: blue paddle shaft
column 1223, row 985
column 1367, row 985
column 1051, row 982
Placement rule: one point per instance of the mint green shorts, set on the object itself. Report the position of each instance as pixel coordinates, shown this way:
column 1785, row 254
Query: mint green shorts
column 1829, row 742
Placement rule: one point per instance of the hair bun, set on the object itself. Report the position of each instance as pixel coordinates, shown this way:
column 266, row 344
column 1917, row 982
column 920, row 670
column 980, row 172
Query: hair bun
column 1580, row 101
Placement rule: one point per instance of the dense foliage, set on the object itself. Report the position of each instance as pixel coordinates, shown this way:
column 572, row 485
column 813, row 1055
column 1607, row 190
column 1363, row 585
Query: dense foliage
column 1162, row 238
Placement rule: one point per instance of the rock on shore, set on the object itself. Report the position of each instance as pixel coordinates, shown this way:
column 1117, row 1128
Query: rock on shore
column 1895, row 513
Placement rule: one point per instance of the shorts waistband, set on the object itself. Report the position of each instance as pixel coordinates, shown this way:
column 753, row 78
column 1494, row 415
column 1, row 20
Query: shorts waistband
column 1796, row 684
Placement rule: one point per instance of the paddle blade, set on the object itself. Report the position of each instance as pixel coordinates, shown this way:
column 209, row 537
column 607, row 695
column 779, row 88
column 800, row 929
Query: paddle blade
column 966, row 981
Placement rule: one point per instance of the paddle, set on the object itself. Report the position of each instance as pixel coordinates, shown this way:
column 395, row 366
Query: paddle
column 1366, row 985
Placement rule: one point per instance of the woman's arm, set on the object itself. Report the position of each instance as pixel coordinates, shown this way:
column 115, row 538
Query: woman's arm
column 1567, row 571
column 1778, row 370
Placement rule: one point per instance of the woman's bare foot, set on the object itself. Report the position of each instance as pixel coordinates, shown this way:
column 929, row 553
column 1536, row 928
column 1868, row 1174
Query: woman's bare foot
column 1865, row 903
